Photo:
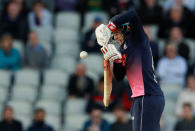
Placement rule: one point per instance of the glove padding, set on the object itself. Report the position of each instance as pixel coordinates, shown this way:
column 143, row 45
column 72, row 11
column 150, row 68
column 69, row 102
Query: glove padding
column 103, row 34
column 110, row 53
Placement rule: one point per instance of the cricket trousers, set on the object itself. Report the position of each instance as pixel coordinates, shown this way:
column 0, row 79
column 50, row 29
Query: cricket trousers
column 146, row 113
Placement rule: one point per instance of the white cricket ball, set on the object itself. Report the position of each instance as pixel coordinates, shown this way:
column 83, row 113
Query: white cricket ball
column 83, row 54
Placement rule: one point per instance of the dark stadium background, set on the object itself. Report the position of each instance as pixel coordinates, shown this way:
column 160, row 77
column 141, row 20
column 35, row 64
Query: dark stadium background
column 40, row 68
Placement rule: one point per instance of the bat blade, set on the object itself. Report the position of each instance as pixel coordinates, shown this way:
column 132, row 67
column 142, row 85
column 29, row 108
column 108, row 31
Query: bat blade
column 107, row 83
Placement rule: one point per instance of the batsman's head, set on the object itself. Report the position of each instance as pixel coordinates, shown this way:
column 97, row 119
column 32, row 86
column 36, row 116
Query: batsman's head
column 119, row 33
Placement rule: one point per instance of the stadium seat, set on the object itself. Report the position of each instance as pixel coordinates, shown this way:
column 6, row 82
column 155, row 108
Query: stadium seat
column 171, row 91
column 161, row 46
column 19, row 45
column 169, row 107
column 21, row 107
column 50, row 4
column 97, row 60
column 54, row 121
column 89, row 18
column 70, row 49
column 70, row 20
column 169, row 122
column 5, row 77
column 66, row 36
column 53, row 93
column 51, row 107
column 75, row 122
column 1, row 108
column 66, row 63
column 55, row 77
column 3, row 94
column 154, row 31
column 191, row 44
column 75, row 106
column 45, row 34
column 27, row 77
column 24, row 93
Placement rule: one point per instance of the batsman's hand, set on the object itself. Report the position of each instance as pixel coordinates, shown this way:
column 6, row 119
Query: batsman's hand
column 110, row 53
column 103, row 34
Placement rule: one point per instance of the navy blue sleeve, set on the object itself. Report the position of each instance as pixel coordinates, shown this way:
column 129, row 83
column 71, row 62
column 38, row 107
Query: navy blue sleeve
column 130, row 16
column 119, row 71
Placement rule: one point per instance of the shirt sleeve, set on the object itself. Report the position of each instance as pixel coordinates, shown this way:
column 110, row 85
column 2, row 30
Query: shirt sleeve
column 181, row 68
column 179, row 104
column 135, row 23
column 119, row 71
column 47, row 21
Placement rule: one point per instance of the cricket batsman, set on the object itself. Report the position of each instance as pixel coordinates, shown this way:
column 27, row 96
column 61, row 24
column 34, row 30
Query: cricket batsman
column 134, row 59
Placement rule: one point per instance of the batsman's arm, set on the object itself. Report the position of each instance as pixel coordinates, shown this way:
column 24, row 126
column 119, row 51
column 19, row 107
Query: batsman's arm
column 119, row 71
column 132, row 18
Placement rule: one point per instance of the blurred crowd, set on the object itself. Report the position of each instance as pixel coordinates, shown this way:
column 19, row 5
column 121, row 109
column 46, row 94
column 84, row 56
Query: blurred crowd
column 169, row 25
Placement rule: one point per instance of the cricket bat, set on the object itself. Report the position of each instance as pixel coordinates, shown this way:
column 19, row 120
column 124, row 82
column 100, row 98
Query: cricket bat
column 107, row 83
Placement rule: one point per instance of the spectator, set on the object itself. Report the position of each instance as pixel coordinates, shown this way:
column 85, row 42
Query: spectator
column 188, row 4
column 188, row 95
column 150, row 12
column 90, row 43
column 40, row 16
column 9, row 56
column 122, row 123
column 80, row 85
column 176, row 18
column 96, row 99
column 22, row 5
column 35, row 55
column 172, row 68
column 187, row 123
column 14, row 22
column 66, row 5
column 153, row 45
column 176, row 36
column 96, row 123
column 8, row 123
column 39, row 122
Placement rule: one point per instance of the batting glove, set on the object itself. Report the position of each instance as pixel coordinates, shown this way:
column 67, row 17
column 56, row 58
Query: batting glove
column 103, row 34
column 110, row 53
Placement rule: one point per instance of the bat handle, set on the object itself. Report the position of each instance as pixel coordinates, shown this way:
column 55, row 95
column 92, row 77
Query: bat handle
column 107, row 83
column 106, row 64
